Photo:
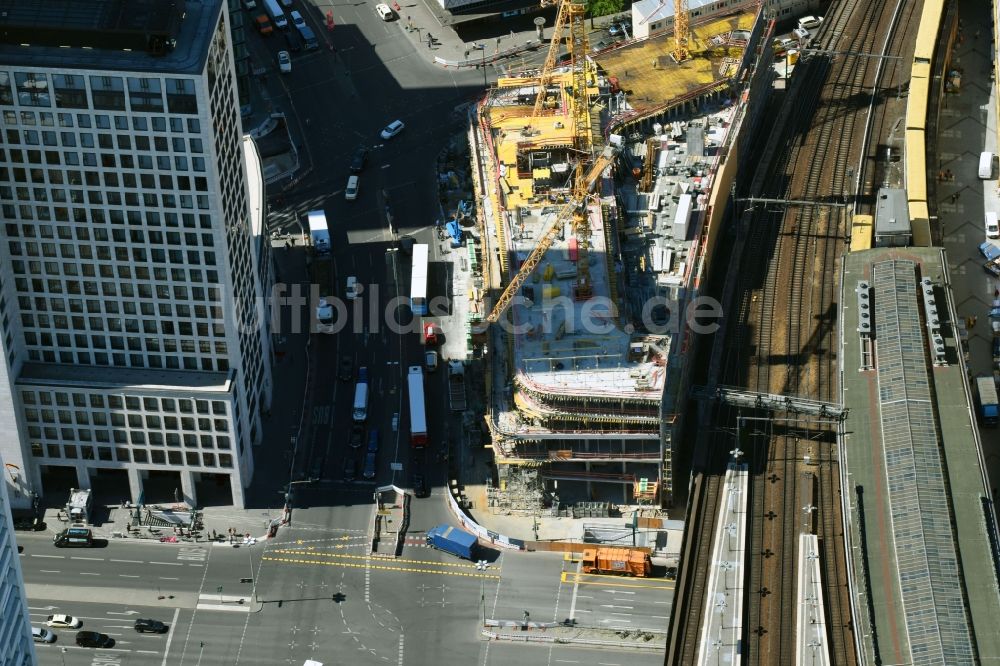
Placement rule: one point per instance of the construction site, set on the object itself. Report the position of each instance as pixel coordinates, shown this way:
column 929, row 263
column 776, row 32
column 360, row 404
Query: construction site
column 599, row 211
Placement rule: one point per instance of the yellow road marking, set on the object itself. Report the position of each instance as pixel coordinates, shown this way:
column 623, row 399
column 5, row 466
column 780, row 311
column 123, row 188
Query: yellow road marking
column 614, row 582
column 352, row 565
column 457, row 565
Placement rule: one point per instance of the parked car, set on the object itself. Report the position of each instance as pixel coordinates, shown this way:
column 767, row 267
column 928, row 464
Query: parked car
column 93, row 639
column 42, row 635
column 150, row 626
column 351, row 191
column 63, row 622
column 250, row 4
column 350, row 468
column 810, row 22
column 284, row 62
column 802, row 35
column 384, row 12
column 369, row 472
column 420, row 486
column 353, row 289
column 263, row 25
column 359, row 160
column 293, row 41
column 406, row 244
column 346, row 372
column 373, row 441
column 297, row 19
column 992, row 225
column 357, row 438
column 392, row 129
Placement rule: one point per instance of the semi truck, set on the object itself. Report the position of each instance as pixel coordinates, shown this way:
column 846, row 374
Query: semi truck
column 622, row 561
column 360, row 412
column 456, row 386
column 418, row 414
column 453, row 540
column 78, row 506
column 989, row 408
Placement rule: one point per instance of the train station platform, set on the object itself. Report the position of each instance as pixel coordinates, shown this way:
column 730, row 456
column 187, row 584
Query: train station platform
column 915, row 482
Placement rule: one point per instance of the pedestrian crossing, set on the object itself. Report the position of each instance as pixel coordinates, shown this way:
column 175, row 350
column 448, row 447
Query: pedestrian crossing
column 224, row 602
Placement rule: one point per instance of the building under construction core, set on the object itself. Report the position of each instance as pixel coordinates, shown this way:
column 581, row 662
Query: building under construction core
column 589, row 361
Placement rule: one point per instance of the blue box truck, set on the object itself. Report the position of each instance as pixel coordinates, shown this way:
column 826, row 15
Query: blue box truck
column 453, row 540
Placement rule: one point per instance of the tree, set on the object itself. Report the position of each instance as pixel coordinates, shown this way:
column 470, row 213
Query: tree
column 604, row 7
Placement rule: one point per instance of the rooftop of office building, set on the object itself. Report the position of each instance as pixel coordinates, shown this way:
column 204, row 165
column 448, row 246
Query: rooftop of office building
column 170, row 36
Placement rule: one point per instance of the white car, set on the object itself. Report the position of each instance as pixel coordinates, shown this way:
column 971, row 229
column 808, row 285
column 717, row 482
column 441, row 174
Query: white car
column 63, row 622
column 992, row 226
column 352, row 288
column 802, row 35
column 297, row 19
column 810, row 22
column 384, row 12
column 351, row 191
column 392, row 129
column 284, row 62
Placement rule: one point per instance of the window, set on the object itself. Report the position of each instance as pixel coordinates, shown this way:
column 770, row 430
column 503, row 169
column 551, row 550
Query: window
column 181, row 97
column 6, row 95
column 71, row 92
column 108, row 92
column 32, row 89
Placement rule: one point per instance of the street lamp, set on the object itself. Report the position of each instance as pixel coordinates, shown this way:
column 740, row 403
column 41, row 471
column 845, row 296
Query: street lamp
column 483, row 565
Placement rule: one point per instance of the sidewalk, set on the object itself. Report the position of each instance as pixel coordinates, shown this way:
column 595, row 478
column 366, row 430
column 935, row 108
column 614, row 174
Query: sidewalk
column 584, row 636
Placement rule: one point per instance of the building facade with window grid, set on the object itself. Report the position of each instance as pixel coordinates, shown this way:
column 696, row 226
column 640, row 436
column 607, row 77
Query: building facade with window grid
column 129, row 285
column 16, row 644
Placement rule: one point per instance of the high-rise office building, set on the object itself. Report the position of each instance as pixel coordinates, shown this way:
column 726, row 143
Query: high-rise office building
column 130, row 320
column 16, row 645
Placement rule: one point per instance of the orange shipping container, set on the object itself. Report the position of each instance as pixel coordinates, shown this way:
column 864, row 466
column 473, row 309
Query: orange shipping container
column 624, row 561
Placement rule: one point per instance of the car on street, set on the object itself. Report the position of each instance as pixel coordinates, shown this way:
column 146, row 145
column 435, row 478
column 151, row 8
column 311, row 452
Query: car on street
column 297, row 19
column 357, row 438
column 359, row 160
column 63, row 622
column 810, row 22
column 784, row 44
column 406, row 244
column 353, row 289
column 346, row 372
column 284, row 62
column 250, row 4
column 392, row 129
column 369, row 472
column 431, row 360
column 293, row 41
column 42, row 635
column 263, row 24
column 802, row 35
column 384, row 11
column 350, row 468
column 429, row 334
column 351, row 191
column 373, row 441
column 992, row 225
column 93, row 639
column 151, row 626
column 420, row 486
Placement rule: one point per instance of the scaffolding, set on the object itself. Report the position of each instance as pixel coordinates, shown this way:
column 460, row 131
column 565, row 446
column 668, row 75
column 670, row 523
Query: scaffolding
column 521, row 491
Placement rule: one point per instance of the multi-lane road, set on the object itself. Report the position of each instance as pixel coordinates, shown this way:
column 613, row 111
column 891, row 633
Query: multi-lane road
column 312, row 592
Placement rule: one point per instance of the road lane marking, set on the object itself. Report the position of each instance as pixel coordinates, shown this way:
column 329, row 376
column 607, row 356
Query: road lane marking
column 128, row 561
column 48, row 571
column 222, row 607
column 58, row 557
column 92, row 559
column 168, row 564
column 170, row 636
column 312, row 553
column 352, row 565
column 128, row 576
column 168, row 578
column 617, row 583
column 613, row 606
column 87, row 573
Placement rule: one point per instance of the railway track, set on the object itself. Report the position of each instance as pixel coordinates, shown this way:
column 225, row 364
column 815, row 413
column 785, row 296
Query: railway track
column 785, row 341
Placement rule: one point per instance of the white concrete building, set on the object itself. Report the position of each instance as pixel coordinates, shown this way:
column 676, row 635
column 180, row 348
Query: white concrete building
column 651, row 17
column 16, row 645
column 130, row 284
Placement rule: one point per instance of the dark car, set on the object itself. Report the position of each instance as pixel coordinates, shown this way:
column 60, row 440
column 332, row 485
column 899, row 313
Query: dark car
column 346, row 372
column 151, row 626
column 357, row 436
column 93, row 639
column 369, row 472
column 406, row 244
column 373, row 441
column 359, row 160
column 350, row 468
column 420, row 486
column 293, row 40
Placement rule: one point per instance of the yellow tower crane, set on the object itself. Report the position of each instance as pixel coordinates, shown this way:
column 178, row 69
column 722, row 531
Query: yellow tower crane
column 576, row 209
column 682, row 27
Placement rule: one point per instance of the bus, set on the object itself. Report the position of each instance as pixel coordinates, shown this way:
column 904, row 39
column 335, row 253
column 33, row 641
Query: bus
column 418, row 417
column 418, row 280
column 276, row 14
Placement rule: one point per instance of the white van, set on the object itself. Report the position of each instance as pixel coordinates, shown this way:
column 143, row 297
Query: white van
column 360, row 410
column 802, row 35
column 992, row 226
column 987, row 165
column 351, row 191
